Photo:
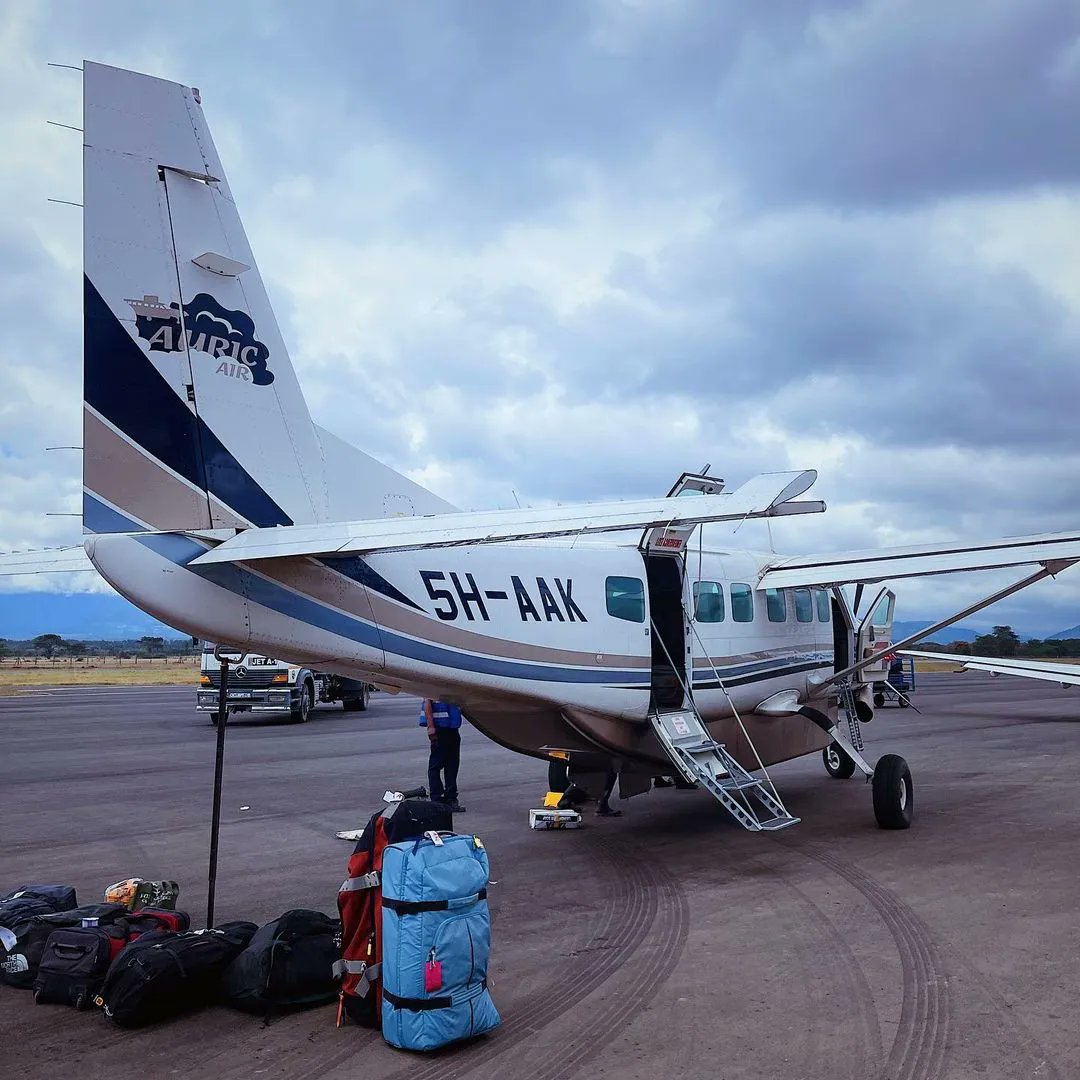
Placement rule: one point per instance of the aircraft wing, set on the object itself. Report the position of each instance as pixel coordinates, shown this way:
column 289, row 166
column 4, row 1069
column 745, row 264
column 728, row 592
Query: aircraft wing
column 886, row 564
column 767, row 495
column 47, row 561
column 1065, row 674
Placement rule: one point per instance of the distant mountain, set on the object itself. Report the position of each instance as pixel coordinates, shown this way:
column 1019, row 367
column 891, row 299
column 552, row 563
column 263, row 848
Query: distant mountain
column 79, row 616
column 949, row 634
column 1072, row 632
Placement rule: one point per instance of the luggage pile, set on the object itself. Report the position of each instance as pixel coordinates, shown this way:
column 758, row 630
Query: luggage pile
column 409, row 955
column 416, row 931
column 141, row 963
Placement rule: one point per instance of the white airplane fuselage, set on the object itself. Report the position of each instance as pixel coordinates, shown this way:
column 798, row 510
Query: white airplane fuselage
column 546, row 644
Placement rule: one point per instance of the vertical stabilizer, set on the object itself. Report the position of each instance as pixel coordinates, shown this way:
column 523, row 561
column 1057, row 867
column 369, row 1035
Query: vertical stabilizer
column 193, row 414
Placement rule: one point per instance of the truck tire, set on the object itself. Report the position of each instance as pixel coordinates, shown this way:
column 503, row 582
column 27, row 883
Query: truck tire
column 356, row 704
column 302, row 713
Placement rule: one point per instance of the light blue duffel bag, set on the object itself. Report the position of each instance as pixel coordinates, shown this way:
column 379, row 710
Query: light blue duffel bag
column 436, row 938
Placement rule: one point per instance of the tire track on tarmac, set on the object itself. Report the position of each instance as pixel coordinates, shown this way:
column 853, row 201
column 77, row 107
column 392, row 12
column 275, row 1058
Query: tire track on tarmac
column 628, row 913
column 639, row 894
column 926, row 1011
column 866, row 1058
column 673, row 912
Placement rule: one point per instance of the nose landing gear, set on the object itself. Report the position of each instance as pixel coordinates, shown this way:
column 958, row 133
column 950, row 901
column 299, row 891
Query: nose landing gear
column 837, row 762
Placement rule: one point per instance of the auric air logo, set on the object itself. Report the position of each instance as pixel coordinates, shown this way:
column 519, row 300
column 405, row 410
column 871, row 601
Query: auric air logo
column 227, row 336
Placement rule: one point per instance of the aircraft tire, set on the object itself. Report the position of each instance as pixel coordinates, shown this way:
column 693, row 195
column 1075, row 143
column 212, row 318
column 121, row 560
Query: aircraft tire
column 837, row 764
column 894, row 794
column 303, row 711
column 879, row 700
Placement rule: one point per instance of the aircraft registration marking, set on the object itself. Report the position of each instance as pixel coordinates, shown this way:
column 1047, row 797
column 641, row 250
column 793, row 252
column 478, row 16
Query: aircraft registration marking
column 465, row 598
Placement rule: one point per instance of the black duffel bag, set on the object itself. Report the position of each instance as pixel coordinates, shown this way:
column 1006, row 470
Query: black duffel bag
column 20, row 966
column 287, row 965
column 18, row 910
column 74, row 964
column 163, row 974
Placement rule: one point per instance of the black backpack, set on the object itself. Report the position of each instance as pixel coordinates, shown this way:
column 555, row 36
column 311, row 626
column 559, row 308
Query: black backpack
column 17, row 911
column 288, row 964
column 360, row 897
column 20, row 966
column 74, row 964
column 163, row 974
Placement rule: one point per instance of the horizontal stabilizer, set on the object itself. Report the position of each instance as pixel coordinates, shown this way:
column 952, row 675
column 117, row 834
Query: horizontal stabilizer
column 887, row 564
column 63, row 560
column 760, row 497
column 1065, row 674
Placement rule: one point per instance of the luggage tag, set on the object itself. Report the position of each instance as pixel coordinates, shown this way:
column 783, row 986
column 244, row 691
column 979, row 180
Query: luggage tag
column 432, row 974
column 434, row 837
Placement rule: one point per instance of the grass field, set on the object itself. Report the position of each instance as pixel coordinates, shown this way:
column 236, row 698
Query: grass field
column 100, row 671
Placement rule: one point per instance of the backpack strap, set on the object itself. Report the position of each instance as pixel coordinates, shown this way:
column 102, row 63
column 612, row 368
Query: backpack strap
column 416, row 1004
column 368, row 973
column 416, row 907
column 364, row 881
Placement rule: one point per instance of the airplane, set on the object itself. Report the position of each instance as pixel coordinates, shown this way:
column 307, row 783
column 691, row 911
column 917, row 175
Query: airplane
column 1047, row 671
column 213, row 502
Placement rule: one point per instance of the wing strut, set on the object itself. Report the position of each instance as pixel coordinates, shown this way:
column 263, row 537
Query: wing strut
column 1048, row 569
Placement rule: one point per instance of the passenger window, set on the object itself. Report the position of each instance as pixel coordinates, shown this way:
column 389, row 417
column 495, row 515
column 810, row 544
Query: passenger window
column 708, row 601
column 626, row 598
column 742, row 602
column 776, row 604
column 821, row 599
column 804, row 606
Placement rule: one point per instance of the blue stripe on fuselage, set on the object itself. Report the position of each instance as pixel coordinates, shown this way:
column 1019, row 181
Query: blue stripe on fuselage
column 181, row 550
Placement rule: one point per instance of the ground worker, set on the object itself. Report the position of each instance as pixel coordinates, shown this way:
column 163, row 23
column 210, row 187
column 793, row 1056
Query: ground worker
column 443, row 723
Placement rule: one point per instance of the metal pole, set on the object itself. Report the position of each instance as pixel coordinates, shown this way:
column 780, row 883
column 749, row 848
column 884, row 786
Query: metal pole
column 219, row 765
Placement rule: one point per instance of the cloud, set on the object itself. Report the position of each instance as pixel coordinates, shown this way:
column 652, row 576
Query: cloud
column 541, row 253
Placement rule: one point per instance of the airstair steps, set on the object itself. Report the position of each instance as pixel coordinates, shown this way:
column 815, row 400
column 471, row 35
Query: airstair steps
column 751, row 801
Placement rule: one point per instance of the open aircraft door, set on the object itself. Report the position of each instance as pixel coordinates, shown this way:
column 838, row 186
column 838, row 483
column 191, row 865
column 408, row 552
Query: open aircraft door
column 664, row 550
column 874, row 636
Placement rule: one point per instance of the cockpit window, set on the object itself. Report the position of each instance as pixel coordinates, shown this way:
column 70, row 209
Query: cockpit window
column 824, row 608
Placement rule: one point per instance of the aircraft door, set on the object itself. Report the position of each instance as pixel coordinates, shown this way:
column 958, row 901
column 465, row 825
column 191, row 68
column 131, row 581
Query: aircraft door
column 843, row 629
column 667, row 629
column 875, row 635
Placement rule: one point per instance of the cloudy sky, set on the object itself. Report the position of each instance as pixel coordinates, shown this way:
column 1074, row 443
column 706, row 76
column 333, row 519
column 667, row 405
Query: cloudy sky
column 568, row 249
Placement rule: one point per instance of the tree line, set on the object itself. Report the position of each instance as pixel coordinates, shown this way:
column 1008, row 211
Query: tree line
column 1004, row 641
column 53, row 646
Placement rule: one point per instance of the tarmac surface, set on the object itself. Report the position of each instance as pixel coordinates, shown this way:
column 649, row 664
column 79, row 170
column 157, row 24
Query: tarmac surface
column 665, row 943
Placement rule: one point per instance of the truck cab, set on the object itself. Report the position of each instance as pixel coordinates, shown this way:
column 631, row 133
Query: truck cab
column 265, row 684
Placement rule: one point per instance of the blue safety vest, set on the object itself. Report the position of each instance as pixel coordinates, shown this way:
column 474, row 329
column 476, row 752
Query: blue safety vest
column 444, row 715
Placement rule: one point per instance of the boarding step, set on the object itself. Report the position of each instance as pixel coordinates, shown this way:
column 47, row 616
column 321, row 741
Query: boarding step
column 730, row 784
column 777, row 823
column 703, row 761
column 845, row 694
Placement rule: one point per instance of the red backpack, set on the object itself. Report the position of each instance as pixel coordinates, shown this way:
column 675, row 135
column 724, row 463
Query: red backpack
column 360, row 903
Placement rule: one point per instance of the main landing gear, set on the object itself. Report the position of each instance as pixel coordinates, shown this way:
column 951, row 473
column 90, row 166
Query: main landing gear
column 894, row 793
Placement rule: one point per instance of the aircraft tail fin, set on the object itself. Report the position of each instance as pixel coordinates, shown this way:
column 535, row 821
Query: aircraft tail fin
column 193, row 418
